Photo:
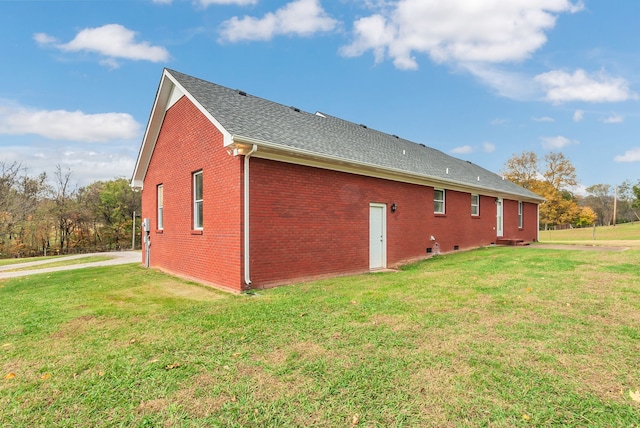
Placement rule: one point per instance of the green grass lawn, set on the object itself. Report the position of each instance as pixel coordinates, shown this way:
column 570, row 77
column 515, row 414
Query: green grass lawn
column 491, row 337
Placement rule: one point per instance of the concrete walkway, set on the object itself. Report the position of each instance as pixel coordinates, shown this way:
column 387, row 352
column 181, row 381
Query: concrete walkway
column 119, row 258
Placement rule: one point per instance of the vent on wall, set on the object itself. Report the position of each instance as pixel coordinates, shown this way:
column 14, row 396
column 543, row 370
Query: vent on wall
column 456, row 248
column 429, row 250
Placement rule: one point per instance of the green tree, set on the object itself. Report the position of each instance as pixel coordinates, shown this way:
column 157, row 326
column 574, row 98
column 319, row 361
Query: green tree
column 112, row 204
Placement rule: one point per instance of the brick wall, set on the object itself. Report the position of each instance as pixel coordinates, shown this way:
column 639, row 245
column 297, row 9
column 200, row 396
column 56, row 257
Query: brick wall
column 305, row 222
column 308, row 222
column 188, row 142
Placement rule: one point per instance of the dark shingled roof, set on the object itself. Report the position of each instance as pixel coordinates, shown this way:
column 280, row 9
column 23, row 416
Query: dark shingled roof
column 244, row 115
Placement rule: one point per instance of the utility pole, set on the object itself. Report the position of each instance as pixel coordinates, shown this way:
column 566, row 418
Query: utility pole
column 133, row 232
column 615, row 203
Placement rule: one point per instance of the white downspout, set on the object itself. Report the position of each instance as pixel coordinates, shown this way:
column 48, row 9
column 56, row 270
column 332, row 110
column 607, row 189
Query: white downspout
column 538, row 225
column 247, row 253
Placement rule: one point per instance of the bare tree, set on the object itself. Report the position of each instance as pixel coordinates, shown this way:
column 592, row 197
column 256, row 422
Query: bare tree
column 522, row 169
column 559, row 171
column 65, row 208
column 600, row 199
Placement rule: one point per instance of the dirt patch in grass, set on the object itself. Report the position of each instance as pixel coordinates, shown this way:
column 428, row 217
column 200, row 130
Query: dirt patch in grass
column 169, row 288
column 198, row 399
column 266, row 385
column 157, row 405
column 302, row 351
column 75, row 327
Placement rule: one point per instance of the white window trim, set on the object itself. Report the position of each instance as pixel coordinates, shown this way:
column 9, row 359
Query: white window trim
column 198, row 222
column 443, row 200
column 520, row 215
column 477, row 205
column 160, row 204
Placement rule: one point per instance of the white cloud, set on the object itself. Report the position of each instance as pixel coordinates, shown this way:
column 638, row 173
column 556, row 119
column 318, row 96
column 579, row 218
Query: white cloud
column 505, row 83
column 112, row 41
column 67, row 125
column 561, row 86
column 632, row 155
column 543, row 119
column 43, row 39
column 499, row 121
column 556, row 143
column 86, row 165
column 206, row 3
column 466, row 149
column 462, row 150
column 301, row 17
column 488, row 147
column 578, row 116
column 579, row 189
column 614, row 118
column 456, row 31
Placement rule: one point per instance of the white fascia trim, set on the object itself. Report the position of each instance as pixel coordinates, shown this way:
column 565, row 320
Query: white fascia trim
column 160, row 105
column 150, row 134
column 308, row 158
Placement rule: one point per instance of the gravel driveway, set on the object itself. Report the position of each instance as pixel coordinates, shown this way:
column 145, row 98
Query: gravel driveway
column 119, row 258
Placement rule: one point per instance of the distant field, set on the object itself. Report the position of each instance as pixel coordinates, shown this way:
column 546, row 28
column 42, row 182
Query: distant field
column 604, row 235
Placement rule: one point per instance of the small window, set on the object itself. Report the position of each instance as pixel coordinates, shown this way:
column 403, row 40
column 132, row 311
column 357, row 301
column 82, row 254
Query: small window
column 197, row 201
column 160, row 207
column 520, row 215
column 475, row 205
column 438, row 201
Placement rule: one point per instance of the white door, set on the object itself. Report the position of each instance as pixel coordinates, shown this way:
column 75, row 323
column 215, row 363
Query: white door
column 377, row 236
column 499, row 218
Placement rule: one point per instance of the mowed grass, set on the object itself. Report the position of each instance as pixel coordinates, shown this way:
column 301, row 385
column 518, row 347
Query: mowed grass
column 491, row 337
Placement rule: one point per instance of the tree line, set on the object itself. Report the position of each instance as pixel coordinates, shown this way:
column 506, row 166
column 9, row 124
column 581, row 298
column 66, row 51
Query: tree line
column 554, row 178
column 42, row 216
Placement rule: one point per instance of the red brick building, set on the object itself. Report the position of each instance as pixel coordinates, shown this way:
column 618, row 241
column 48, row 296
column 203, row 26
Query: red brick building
column 241, row 192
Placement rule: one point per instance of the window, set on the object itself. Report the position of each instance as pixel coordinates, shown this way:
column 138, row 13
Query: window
column 197, row 200
column 438, row 201
column 160, row 203
column 520, row 215
column 475, row 205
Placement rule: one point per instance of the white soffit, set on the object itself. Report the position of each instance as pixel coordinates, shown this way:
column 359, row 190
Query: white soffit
column 176, row 94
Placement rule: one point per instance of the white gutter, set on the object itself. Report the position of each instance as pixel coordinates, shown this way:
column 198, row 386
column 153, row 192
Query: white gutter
column 247, row 253
column 434, row 181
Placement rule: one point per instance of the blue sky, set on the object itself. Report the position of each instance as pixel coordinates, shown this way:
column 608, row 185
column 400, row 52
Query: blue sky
column 480, row 80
